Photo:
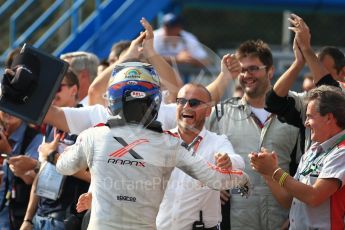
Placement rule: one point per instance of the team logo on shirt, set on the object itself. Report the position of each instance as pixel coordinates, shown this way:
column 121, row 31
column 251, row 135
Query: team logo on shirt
column 126, row 198
column 127, row 148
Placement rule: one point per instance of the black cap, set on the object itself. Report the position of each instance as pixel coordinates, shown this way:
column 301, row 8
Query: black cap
column 19, row 87
column 28, row 60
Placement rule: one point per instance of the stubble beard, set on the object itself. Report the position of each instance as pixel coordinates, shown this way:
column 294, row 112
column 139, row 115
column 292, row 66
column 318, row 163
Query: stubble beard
column 193, row 128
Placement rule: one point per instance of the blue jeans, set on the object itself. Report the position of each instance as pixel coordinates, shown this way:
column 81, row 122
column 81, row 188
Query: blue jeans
column 4, row 219
column 47, row 223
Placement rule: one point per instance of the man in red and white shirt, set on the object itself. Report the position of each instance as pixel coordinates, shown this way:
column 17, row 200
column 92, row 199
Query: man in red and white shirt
column 316, row 194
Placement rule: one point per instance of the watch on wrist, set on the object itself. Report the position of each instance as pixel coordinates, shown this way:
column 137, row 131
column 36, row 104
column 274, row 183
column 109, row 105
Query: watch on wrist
column 51, row 157
column 29, row 221
column 37, row 166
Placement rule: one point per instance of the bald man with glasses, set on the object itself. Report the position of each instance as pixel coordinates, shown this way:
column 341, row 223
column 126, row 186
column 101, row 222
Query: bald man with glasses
column 186, row 201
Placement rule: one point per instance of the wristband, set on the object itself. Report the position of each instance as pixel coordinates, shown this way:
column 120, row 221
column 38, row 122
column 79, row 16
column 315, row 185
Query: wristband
column 274, row 173
column 283, row 178
column 30, row 221
column 51, row 157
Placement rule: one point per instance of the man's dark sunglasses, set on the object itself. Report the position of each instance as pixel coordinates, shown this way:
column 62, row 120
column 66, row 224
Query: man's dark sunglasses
column 192, row 102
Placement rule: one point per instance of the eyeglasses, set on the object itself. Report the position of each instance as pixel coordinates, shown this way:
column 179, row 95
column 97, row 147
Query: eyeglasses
column 60, row 87
column 192, row 102
column 252, row 69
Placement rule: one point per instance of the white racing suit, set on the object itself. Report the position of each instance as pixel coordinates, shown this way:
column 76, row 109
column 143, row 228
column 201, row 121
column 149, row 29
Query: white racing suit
column 130, row 167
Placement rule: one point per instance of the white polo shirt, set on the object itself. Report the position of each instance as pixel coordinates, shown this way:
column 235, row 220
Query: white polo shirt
column 185, row 197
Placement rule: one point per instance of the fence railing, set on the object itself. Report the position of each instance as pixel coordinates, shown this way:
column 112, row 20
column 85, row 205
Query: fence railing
column 16, row 40
column 83, row 25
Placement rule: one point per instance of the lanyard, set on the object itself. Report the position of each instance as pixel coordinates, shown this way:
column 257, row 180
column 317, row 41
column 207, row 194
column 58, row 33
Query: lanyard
column 195, row 143
column 312, row 166
column 257, row 120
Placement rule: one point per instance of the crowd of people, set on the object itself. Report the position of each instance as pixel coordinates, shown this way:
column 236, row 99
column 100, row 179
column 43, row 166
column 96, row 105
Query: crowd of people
column 126, row 145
